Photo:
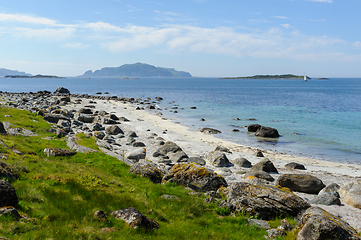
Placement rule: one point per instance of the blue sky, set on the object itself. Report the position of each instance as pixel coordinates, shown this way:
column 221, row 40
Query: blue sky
column 207, row 38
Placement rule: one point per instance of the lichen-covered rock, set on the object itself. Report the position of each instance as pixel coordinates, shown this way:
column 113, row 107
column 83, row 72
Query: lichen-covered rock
column 264, row 201
column 301, row 183
column 259, row 174
column 113, row 130
column 135, row 219
column 148, row 170
column 194, row 176
column 264, row 165
column 8, row 195
column 317, row 224
column 326, row 200
column 197, row 160
column 58, row 152
column 217, row 159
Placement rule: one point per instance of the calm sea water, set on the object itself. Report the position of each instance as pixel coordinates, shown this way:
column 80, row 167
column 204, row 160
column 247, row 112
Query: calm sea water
column 318, row 118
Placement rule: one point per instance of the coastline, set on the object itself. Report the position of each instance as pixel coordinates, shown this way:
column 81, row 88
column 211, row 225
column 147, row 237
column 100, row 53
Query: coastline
column 148, row 124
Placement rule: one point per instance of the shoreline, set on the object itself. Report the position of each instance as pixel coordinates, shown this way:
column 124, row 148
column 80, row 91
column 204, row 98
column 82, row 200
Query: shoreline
column 149, row 126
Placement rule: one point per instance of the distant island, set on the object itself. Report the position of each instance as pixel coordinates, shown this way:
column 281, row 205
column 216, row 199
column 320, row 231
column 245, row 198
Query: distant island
column 5, row 72
column 36, row 76
column 136, row 70
column 284, row 76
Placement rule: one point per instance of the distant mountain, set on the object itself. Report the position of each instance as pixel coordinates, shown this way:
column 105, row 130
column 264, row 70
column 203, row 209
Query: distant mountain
column 136, row 70
column 5, row 72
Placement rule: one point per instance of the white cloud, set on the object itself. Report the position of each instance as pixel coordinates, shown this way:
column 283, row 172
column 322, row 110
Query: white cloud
column 30, row 19
column 286, row 25
column 325, row 1
column 281, row 17
column 357, row 44
column 45, row 33
column 76, row 45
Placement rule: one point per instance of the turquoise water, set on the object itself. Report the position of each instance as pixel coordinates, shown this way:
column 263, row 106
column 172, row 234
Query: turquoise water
column 318, row 118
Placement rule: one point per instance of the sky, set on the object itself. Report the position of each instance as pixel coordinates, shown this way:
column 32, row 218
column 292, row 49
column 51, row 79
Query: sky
column 208, row 38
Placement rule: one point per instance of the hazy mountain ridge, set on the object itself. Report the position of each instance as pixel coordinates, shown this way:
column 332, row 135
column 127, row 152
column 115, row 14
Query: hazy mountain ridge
column 136, row 70
column 4, row 72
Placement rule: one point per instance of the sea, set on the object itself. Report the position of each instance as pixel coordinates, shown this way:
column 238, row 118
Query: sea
column 319, row 119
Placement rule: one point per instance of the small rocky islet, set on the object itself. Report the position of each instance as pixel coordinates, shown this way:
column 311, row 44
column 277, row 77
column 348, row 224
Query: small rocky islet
column 259, row 194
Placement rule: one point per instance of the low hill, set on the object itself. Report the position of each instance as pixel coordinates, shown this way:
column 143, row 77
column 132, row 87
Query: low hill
column 5, row 72
column 284, row 76
column 136, row 70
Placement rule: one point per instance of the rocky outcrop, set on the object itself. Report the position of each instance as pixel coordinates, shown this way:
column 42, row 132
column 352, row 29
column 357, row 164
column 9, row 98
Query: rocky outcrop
column 265, row 201
column 8, row 195
column 317, row 224
column 194, row 176
column 148, row 170
column 301, row 183
column 135, row 219
column 58, row 152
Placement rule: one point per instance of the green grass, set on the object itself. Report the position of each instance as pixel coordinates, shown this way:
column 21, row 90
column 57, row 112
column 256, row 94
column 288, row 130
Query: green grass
column 59, row 195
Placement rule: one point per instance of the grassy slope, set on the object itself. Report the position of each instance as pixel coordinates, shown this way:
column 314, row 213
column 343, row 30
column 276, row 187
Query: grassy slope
column 59, row 195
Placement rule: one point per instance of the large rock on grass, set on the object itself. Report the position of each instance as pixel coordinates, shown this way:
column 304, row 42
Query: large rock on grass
column 264, row 201
column 301, row 183
column 135, row 219
column 317, row 224
column 148, row 170
column 58, row 152
column 194, row 176
column 2, row 129
column 8, row 195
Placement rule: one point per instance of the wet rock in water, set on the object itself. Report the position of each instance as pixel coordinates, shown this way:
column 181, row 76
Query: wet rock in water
column 267, row 132
column 293, row 165
column 148, row 170
column 259, row 174
column 222, row 149
column 58, row 152
column 317, row 224
column 235, row 130
column 264, row 201
column 114, row 130
column 265, row 165
column 8, row 195
column 194, row 176
column 135, row 219
column 203, row 120
column 301, row 183
column 242, row 162
column 253, row 127
column 217, row 159
column 210, row 131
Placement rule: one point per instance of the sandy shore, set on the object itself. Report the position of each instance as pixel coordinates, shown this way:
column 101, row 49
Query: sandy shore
column 149, row 126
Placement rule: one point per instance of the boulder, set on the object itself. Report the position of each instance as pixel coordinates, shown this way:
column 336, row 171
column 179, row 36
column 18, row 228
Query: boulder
column 197, row 160
column 179, row 156
column 113, row 130
column 136, row 155
column 217, row 159
column 253, row 127
column 8, row 195
column 167, row 148
column 326, row 200
column 259, row 154
column 99, row 135
column 317, row 224
column 2, row 129
column 222, row 149
column 63, row 123
column 301, row 183
column 242, row 162
column 194, row 176
column 267, row 132
column 54, row 118
column 96, row 127
column 265, row 202
column 138, row 144
column 61, row 90
column 330, row 190
column 85, row 118
column 148, row 170
column 58, row 152
column 264, row 165
column 10, row 211
column 210, row 131
column 135, row 219
column 293, row 165
column 73, row 145
column 259, row 174
column 352, row 193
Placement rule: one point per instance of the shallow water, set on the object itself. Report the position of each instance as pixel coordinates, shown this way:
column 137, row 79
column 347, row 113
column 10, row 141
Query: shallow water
column 318, row 118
